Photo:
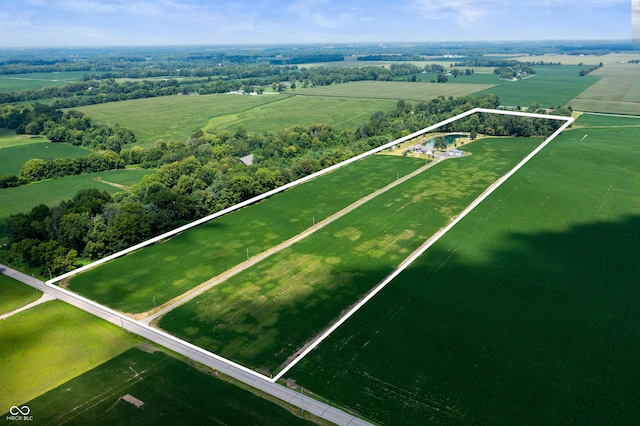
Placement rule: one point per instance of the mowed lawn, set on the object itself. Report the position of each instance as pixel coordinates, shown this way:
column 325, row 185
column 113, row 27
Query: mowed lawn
column 338, row 112
column 172, row 391
column 50, row 192
column 168, row 269
column 618, row 91
column 172, row 117
column 263, row 315
column 13, row 158
column 526, row 312
column 49, row 344
column 14, row 294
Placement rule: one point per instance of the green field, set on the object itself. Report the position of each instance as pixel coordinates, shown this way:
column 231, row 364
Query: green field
column 395, row 90
column 261, row 316
column 550, row 86
column 50, row 344
column 50, row 192
column 168, row 269
column 9, row 138
column 172, row 392
column 35, row 81
column 526, row 312
column 14, row 294
column 618, row 91
column 12, row 159
column 340, row 113
column 172, row 117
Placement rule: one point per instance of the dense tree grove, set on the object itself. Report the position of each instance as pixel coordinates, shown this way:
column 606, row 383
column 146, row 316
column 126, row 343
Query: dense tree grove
column 204, row 175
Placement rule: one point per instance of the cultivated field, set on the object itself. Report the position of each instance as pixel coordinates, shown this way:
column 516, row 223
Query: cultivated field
column 50, row 344
column 340, row 113
column 525, row 312
column 34, row 81
column 9, row 138
column 611, row 58
column 168, row 269
column 261, row 316
column 172, row 392
column 618, row 91
column 51, row 192
column 14, row 294
column 395, row 90
column 13, row 158
column 551, row 86
column 172, row 117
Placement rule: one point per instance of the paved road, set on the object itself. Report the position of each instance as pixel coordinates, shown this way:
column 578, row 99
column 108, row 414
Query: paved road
column 195, row 353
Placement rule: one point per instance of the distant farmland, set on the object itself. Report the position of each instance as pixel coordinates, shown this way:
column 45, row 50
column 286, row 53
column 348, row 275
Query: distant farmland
column 617, row 92
column 525, row 312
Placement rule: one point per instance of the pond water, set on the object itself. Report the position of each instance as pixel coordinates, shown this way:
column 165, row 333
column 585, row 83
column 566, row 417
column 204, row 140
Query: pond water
column 449, row 139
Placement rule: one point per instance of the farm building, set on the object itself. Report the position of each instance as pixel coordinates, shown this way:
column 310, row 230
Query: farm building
column 455, row 153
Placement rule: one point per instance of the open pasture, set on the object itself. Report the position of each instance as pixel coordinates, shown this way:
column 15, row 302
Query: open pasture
column 50, row 192
column 49, row 344
column 550, row 86
column 172, row 117
column 611, row 58
column 14, row 294
column 618, row 91
column 394, row 90
column 9, row 138
column 263, row 315
column 168, row 269
column 13, row 158
column 35, row 81
column 340, row 113
column 526, row 312
column 171, row 391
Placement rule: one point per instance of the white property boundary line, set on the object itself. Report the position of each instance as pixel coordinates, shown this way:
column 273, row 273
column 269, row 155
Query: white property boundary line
column 112, row 315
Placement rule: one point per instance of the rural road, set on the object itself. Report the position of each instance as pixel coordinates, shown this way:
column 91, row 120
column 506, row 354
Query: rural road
column 238, row 372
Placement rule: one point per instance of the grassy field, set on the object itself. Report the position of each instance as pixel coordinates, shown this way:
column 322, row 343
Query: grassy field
column 12, row 159
column 394, row 90
column 9, row 138
column 340, row 113
column 35, row 81
column 14, row 294
column 51, row 192
column 172, row 392
column 551, row 86
column 526, row 312
column 611, row 58
column 172, row 117
column 168, row 269
column 50, row 344
column 618, row 91
column 261, row 316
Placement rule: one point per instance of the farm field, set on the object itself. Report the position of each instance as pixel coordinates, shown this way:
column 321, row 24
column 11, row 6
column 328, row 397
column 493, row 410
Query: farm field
column 394, row 90
column 525, row 312
column 50, row 192
column 50, row 344
column 168, row 269
column 172, row 117
column 34, row 81
column 13, row 158
column 9, row 138
column 618, row 91
column 551, row 86
column 14, row 294
column 171, row 390
column 263, row 315
column 340, row 113
column 610, row 58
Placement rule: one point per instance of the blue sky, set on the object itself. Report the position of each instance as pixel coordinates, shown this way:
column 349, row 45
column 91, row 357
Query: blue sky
column 28, row 23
